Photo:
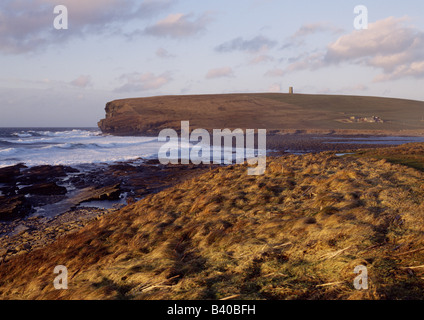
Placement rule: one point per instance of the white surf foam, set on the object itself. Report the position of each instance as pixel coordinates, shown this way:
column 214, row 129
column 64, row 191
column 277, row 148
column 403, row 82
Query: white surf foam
column 75, row 147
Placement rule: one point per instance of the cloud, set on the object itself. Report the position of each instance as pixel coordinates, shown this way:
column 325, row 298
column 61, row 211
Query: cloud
column 312, row 61
column 163, row 53
column 135, row 82
column 413, row 69
column 276, row 72
column 27, row 26
column 253, row 45
column 313, row 28
column 258, row 47
column 387, row 45
column 178, row 26
column 275, row 88
column 306, row 30
column 345, row 90
column 82, row 81
column 220, row 73
column 261, row 58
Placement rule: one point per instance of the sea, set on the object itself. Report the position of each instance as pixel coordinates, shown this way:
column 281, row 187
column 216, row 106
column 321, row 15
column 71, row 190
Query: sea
column 71, row 147
column 86, row 148
column 79, row 146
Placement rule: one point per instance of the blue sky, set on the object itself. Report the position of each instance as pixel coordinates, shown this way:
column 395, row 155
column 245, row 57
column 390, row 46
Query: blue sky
column 116, row 49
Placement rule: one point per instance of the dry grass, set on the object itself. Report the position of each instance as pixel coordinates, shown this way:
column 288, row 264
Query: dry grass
column 411, row 155
column 296, row 232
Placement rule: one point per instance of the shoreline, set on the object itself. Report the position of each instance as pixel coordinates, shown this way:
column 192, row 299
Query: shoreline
column 306, row 215
column 31, row 230
column 22, row 236
column 132, row 178
column 298, row 132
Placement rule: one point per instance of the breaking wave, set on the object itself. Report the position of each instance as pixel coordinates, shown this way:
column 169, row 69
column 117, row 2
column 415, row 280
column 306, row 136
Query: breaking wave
column 71, row 147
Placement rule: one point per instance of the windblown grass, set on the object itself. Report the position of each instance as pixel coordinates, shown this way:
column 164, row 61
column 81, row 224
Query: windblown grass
column 296, row 232
column 411, row 155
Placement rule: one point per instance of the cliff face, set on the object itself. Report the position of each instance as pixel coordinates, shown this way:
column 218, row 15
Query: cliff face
column 123, row 119
column 274, row 112
column 148, row 116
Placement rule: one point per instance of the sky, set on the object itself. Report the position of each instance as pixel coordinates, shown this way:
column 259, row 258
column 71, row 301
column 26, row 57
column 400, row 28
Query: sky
column 114, row 49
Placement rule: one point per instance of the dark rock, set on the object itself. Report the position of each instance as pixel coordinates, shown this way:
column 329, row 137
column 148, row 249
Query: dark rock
column 21, row 229
column 152, row 162
column 50, row 188
column 105, row 193
column 9, row 191
column 10, row 174
column 96, row 177
column 42, row 200
column 93, row 194
column 13, row 207
column 44, row 174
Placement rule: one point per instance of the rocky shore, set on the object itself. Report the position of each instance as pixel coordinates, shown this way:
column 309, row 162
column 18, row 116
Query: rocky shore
column 297, row 232
column 21, row 236
column 40, row 204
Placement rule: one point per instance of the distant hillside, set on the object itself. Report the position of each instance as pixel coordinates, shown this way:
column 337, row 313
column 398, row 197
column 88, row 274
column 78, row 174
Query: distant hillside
column 271, row 111
column 297, row 232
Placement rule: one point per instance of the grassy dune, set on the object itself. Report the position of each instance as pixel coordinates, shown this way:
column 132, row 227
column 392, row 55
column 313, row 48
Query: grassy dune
column 296, row 232
column 271, row 111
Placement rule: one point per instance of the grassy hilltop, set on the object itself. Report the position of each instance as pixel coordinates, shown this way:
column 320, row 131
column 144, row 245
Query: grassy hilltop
column 271, row 111
column 296, row 232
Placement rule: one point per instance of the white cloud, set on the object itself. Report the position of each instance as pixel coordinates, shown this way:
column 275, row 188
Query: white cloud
column 312, row 61
column 163, row 53
column 135, row 82
column 27, row 26
column 178, row 25
column 275, row 88
column 276, row 72
column 345, row 90
column 261, row 58
column 312, row 28
column 306, row 30
column 387, row 45
column 254, row 45
column 220, row 73
column 82, row 81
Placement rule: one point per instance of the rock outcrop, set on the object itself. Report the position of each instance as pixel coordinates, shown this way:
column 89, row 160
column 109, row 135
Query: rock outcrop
column 50, row 188
column 13, row 207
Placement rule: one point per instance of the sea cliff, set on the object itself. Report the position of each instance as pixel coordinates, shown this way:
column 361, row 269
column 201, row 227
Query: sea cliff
column 278, row 113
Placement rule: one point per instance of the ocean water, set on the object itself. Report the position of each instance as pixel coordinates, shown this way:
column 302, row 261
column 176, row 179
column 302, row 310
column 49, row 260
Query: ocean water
column 77, row 147
column 71, row 146
column 80, row 146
